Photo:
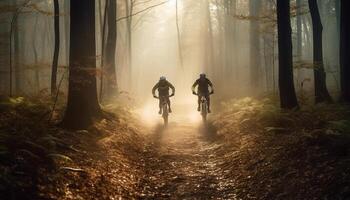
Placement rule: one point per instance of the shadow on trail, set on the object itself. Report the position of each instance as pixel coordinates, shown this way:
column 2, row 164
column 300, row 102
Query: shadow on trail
column 158, row 134
column 182, row 164
column 208, row 132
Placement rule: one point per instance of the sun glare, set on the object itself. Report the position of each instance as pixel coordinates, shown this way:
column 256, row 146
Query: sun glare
column 172, row 2
column 184, row 111
column 194, row 117
column 149, row 114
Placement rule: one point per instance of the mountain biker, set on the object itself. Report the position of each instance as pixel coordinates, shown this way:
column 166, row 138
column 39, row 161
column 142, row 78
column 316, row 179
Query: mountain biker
column 163, row 87
column 203, row 84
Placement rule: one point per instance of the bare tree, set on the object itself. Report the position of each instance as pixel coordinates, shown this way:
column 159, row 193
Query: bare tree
column 56, row 48
column 179, row 36
column 254, row 7
column 110, row 67
column 345, row 50
column 285, row 54
column 321, row 91
column 82, row 104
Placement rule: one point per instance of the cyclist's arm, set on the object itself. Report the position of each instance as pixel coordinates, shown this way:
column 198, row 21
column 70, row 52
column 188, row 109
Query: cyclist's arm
column 172, row 88
column 154, row 89
column 194, row 86
column 211, row 85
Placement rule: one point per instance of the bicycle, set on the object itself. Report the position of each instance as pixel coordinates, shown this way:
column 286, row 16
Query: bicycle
column 165, row 108
column 204, row 107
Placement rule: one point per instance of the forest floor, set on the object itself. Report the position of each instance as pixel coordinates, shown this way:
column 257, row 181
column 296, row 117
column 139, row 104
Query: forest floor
column 248, row 150
column 181, row 162
column 252, row 150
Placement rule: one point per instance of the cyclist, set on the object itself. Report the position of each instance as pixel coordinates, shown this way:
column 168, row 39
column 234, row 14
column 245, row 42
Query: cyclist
column 203, row 84
column 163, row 87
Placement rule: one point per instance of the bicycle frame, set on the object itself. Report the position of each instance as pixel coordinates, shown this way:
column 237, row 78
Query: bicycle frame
column 165, row 113
column 204, row 108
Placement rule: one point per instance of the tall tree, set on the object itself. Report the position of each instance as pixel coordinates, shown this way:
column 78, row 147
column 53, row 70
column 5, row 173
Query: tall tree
column 129, row 9
column 254, row 9
column 321, row 92
column 66, row 28
column 14, row 41
column 56, row 48
column 209, row 49
column 17, row 57
column 345, row 50
column 82, row 104
column 285, row 55
column 35, row 52
column 110, row 67
column 103, row 27
column 337, row 14
column 179, row 46
column 299, row 29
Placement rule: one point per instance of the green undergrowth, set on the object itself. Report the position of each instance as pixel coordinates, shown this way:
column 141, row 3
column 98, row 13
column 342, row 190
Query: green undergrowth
column 295, row 154
column 40, row 160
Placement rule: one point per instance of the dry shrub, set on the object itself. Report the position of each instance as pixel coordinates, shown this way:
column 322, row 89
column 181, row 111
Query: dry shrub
column 280, row 154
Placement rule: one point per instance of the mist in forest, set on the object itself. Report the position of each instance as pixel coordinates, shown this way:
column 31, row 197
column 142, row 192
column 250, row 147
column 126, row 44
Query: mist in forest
column 80, row 116
column 234, row 42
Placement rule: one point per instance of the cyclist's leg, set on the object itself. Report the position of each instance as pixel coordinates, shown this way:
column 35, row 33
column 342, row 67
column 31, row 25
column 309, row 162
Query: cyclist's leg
column 199, row 102
column 168, row 101
column 160, row 105
column 207, row 96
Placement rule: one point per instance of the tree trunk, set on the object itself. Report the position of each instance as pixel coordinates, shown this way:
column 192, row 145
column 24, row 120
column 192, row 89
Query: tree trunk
column 321, row 92
column 285, row 54
column 110, row 67
column 67, row 31
column 35, row 52
column 299, row 38
column 16, row 47
column 179, row 37
column 128, row 11
column 344, row 51
column 56, row 48
column 82, row 103
column 227, row 43
column 299, row 30
column 234, row 55
column 16, row 51
column 103, row 48
column 254, row 9
column 209, row 42
column 337, row 14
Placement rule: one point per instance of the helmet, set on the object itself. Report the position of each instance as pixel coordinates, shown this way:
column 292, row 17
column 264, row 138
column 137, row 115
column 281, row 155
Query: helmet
column 202, row 75
column 162, row 78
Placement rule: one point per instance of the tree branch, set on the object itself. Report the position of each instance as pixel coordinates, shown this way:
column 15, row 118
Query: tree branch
column 141, row 11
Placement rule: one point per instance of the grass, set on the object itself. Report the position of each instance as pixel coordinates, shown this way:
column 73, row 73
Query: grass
column 278, row 154
column 40, row 160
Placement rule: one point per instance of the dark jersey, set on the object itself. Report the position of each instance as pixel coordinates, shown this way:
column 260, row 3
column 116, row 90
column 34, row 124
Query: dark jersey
column 203, row 85
column 163, row 88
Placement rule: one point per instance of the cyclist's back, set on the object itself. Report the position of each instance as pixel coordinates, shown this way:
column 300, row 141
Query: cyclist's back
column 203, row 85
column 163, row 86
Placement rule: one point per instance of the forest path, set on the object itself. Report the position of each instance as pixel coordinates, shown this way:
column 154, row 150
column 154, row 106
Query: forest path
column 182, row 163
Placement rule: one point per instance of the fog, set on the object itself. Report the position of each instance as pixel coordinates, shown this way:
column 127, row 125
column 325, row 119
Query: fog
column 233, row 41
column 156, row 50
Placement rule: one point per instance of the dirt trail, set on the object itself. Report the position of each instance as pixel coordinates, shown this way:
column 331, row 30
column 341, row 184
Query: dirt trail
column 182, row 164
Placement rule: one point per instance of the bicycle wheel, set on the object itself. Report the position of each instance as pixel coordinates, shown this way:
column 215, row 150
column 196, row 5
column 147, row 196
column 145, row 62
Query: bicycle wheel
column 165, row 114
column 204, row 111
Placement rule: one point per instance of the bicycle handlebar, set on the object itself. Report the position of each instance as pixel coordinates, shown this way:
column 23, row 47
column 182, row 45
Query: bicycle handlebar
column 157, row 97
column 210, row 93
